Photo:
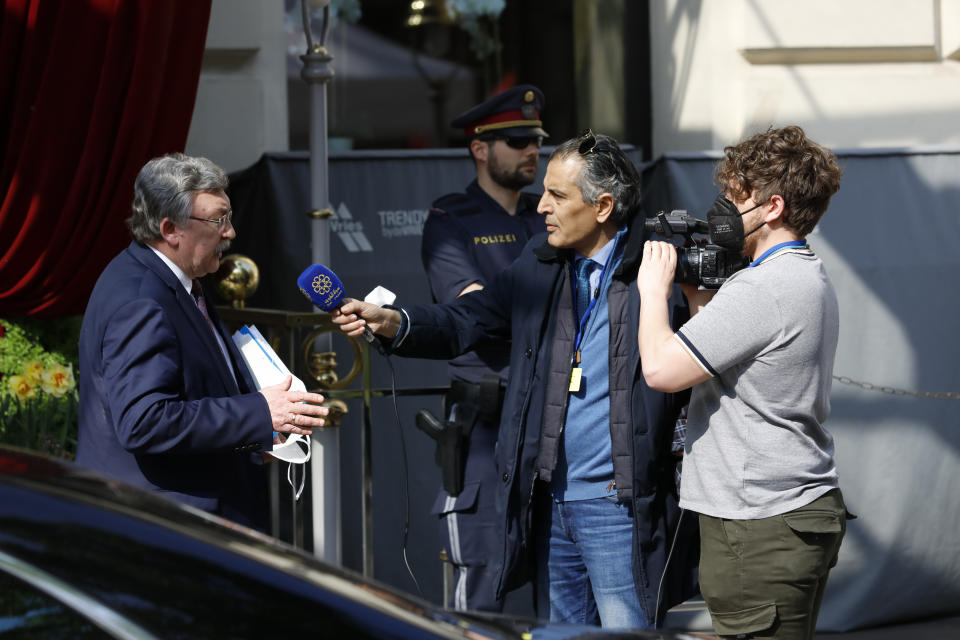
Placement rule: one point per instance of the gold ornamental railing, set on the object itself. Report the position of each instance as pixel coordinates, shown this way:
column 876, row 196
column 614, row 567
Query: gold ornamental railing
column 303, row 340
column 308, row 342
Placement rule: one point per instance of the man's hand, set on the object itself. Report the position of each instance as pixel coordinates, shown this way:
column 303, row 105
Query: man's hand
column 655, row 276
column 294, row 411
column 666, row 365
column 354, row 315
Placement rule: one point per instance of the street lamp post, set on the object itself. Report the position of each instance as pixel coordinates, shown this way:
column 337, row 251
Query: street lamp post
column 325, row 460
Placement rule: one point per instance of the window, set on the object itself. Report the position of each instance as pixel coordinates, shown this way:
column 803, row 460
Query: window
column 26, row 612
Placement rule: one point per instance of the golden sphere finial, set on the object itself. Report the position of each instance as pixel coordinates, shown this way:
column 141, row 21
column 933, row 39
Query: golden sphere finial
column 237, row 279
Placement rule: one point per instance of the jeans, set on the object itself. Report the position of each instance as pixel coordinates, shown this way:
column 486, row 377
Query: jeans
column 584, row 564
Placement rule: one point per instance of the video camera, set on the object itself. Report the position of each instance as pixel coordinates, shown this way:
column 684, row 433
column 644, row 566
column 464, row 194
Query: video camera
column 705, row 265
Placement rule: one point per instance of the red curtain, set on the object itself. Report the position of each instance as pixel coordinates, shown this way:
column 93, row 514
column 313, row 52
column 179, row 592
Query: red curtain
column 89, row 91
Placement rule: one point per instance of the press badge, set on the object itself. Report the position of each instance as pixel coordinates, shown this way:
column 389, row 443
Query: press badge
column 575, row 376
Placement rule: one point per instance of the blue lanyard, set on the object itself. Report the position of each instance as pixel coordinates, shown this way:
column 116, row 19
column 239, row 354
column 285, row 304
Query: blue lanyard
column 593, row 300
column 777, row 247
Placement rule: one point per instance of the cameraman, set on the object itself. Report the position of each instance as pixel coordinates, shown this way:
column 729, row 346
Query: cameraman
column 758, row 464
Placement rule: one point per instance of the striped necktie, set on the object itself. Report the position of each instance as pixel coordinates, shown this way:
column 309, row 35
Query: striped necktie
column 197, row 292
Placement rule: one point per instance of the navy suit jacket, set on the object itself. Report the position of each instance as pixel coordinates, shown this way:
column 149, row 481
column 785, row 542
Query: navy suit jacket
column 158, row 406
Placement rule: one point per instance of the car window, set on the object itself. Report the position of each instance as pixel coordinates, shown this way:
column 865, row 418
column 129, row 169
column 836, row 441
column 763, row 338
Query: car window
column 171, row 584
column 26, row 612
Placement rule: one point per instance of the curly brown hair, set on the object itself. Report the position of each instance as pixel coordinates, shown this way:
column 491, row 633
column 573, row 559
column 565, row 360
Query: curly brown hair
column 783, row 162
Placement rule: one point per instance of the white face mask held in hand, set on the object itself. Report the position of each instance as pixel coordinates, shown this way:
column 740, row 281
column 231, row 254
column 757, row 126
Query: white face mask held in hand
column 296, row 449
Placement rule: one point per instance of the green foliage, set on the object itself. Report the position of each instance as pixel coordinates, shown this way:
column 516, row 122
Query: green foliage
column 44, row 340
column 38, row 395
column 46, row 423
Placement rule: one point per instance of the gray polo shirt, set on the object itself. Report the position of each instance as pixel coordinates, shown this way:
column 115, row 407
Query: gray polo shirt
column 756, row 446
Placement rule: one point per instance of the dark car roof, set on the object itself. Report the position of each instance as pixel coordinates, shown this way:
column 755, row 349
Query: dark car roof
column 174, row 571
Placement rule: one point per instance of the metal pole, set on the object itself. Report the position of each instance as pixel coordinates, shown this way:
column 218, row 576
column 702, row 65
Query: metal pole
column 366, row 471
column 325, row 460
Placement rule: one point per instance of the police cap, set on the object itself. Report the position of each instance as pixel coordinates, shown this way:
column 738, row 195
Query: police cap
column 515, row 112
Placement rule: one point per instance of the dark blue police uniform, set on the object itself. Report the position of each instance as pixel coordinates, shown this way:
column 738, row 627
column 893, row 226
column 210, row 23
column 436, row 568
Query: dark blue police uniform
column 468, row 237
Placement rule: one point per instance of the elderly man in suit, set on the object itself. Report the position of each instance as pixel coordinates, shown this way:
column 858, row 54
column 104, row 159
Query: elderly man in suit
column 166, row 401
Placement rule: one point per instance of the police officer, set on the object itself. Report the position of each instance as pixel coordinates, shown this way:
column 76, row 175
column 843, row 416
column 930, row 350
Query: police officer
column 468, row 238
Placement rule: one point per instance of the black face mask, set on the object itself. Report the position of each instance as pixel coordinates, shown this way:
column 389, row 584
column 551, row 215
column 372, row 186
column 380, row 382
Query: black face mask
column 726, row 224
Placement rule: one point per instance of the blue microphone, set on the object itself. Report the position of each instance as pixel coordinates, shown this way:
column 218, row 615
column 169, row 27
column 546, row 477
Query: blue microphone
column 324, row 289
column 321, row 286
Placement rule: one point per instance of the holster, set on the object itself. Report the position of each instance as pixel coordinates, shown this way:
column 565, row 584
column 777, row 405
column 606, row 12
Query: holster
column 465, row 404
column 452, row 439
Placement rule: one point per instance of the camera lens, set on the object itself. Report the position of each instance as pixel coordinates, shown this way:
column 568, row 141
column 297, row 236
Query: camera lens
column 688, row 265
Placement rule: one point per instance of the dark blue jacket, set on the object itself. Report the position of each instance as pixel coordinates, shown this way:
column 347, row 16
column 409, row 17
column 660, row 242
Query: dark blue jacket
column 158, row 405
column 529, row 304
column 468, row 237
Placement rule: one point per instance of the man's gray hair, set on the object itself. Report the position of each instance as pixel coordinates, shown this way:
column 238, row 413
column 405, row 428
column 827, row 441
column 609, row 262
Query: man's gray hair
column 606, row 169
column 165, row 188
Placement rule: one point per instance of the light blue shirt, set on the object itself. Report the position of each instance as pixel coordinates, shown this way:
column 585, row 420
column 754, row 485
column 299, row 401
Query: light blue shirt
column 600, row 258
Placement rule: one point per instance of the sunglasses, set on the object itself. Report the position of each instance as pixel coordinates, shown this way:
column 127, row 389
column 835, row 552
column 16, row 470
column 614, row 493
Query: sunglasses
column 589, row 143
column 518, row 142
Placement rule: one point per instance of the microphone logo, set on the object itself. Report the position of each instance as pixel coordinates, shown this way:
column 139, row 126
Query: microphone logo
column 322, row 284
column 321, row 287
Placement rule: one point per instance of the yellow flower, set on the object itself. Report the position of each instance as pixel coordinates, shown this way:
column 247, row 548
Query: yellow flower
column 33, row 371
column 57, row 380
column 23, row 387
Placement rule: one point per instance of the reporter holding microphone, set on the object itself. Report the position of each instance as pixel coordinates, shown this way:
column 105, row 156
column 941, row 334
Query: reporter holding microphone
column 758, row 465
column 585, row 486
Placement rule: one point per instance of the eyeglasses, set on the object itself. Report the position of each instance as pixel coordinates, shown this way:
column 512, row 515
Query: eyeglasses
column 589, row 143
column 518, row 142
column 222, row 222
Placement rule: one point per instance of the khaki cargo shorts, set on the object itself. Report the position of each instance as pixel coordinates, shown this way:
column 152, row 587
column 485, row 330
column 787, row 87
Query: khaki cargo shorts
column 765, row 578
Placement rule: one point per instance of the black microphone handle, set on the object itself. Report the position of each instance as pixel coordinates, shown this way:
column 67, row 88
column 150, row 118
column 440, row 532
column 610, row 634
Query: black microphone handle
column 368, row 335
column 373, row 340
